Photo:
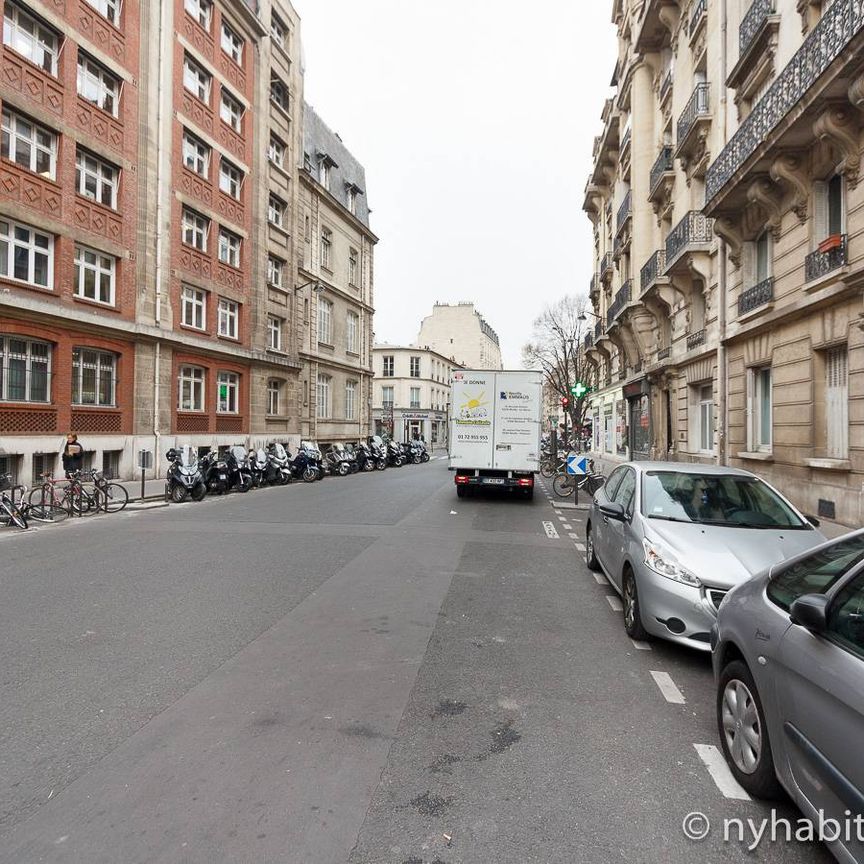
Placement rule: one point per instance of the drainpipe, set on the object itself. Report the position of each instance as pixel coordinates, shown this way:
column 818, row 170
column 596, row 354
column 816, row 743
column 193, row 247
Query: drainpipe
column 722, row 371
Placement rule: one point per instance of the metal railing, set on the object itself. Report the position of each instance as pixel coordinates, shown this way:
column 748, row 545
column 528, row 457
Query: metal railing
column 700, row 7
column 665, row 86
column 654, row 266
column 825, row 42
column 625, row 139
column 598, row 331
column 694, row 339
column 664, row 353
column 622, row 298
column 606, row 265
column 818, row 264
column 664, row 164
column 695, row 228
column 624, row 211
column 752, row 22
column 588, row 341
column 697, row 106
column 594, row 284
column 756, row 296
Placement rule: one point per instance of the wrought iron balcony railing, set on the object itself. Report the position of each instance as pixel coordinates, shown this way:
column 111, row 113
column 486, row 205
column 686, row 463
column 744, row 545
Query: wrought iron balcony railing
column 665, row 86
column 700, row 7
column 694, row 339
column 598, row 331
column 664, row 353
column 622, row 298
column 825, row 42
column 697, row 106
column 653, row 268
column 606, row 265
column 594, row 285
column 625, row 140
column 695, row 229
column 624, row 211
column 756, row 296
column 752, row 22
column 588, row 341
column 818, row 264
column 664, row 164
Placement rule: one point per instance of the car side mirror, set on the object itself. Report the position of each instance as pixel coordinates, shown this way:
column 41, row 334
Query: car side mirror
column 811, row 612
column 812, row 520
column 613, row 510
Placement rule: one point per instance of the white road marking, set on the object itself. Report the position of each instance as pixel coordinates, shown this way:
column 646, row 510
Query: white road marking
column 567, row 527
column 580, row 546
column 720, row 773
column 667, row 686
column 615, row 603
column 551, row 531
column 599, row 578
column 562, row 518
column 573, row 536
column 641, row 646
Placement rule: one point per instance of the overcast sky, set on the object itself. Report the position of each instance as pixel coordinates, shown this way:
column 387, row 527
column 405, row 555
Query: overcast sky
column 474, row 120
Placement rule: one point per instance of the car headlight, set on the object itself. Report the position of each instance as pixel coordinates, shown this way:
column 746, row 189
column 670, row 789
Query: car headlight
column 664, row 563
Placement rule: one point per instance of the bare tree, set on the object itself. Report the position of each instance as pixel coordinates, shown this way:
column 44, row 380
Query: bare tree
column 555, row 349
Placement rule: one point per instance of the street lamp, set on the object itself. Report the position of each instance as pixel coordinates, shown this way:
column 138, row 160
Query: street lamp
column 317, row 287
column 581, row 316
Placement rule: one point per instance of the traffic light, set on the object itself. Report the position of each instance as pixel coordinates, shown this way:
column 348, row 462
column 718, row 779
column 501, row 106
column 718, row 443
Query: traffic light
column 579, row 390
column 565, row 402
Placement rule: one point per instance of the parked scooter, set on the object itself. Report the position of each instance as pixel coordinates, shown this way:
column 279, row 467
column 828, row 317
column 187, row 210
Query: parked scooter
column 214, row 468
column 379, row 452
column 239, row 473
column 395, row 456
column 313, row 454
column 336, row 460
column 184, row 477
column 303, row 466
column 279, row 465
column 424, row 453
column 365, row 459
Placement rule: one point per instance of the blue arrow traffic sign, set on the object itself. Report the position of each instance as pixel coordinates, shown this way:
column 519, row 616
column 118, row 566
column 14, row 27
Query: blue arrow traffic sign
column 577, row 464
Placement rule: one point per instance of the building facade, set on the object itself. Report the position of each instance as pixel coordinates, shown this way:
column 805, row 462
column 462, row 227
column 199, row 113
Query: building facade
column 460, row 332
column 726, row 212
column 411, row 394
column 335, row 289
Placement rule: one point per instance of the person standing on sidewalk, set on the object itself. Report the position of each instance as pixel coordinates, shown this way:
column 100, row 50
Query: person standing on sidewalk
column 73, row 454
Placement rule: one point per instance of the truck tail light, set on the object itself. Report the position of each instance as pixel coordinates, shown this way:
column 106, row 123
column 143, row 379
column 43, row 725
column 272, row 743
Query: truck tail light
column 526, row 481
column 461, row 479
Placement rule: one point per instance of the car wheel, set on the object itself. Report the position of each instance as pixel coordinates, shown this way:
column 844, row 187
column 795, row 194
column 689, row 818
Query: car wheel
column 744, row 732
column 632, row 609
column 590, row 554
column 460, row 491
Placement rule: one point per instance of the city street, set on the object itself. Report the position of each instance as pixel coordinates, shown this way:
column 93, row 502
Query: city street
column 360, row 670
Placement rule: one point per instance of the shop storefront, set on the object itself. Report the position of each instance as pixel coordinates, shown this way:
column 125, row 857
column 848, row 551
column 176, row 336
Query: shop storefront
column 638, row 411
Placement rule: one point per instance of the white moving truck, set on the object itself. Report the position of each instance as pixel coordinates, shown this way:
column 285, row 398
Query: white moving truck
column 495, row 427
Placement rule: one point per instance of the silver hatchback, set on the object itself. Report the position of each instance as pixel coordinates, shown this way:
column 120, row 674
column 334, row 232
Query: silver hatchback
column 673, row 539
column 789, row 666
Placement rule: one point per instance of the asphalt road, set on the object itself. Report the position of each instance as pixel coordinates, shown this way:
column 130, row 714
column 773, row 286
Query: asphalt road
column 364, row 670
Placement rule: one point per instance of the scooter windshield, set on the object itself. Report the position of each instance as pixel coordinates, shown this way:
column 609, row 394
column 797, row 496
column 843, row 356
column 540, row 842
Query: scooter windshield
column 239, row 453
column 188, row 457
column 279, row 451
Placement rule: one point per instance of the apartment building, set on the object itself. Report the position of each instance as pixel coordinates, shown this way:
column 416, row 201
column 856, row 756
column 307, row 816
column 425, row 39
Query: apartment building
column 726, row 214
column 335, row 289
column 460, row 332
column 412, row 393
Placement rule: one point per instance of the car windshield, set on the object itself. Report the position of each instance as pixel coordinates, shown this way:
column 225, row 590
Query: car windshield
column 730, row 500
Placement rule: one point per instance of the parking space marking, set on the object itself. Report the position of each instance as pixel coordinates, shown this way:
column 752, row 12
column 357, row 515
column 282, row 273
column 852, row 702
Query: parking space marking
column 668, row 688
column 573, row 535
column 599, row 578
column 615, row 603
column 580, row 546
column 641, row 646
column 551, row 531
column 568, row 527
column 720, row 773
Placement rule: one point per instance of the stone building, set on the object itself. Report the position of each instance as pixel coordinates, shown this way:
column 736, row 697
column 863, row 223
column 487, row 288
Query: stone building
column 335, row 294
column 460, row 332
column 411, row 394
column 726, row 210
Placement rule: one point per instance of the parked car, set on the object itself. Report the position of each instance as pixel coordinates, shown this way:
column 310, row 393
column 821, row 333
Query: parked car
column 674, row 538
column 788, row 655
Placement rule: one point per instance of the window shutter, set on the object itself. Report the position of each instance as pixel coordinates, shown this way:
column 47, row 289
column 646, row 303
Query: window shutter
column 751, row 431
column 748, row 265
column 820, row 212
column 837, row 403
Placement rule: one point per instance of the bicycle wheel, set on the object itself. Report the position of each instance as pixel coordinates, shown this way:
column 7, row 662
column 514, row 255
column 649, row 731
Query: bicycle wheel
column 562, row 485
column 47, row 512
column 12, row 515
column 80, row 502
column 546, row 469
column 40, row 496
column 113, row 497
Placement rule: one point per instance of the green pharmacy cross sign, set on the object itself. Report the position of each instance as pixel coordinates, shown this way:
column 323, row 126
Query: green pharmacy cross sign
column 579, row 390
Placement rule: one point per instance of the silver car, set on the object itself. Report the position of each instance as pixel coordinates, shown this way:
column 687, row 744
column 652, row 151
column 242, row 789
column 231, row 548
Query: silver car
column 789, row 665
column 674, row 538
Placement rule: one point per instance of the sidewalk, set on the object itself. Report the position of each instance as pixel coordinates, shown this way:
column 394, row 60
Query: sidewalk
column 153, row 489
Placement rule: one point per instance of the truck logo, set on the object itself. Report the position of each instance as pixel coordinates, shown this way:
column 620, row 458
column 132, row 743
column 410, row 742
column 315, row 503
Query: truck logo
column 473, row 407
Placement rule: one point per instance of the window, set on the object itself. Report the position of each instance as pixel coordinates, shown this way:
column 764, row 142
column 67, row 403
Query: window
column 95, row 274
column 763, row 258
column 760, row 409
column 29, row 145
column 830, row 209
column 322, row 392
column 324, row 173
column 706, row 418
column 25, row 369
column 97, row 85
column 275, row 269
column 837, row 403
column 325, row 321
column 388, row 366
column 415, row 397
column 232, row 44
column 274, row 397
column 228, row 313
column 276, row 211
column 26, row 254
column 279, row 94
column 352, row 329
column 626, row 491
column 846, row 618
column 195, row 79
column 196, row 154
column 353, row 260
column 190, row 389
column 94, row 377
column 351, row 194
column 276, row 152
column 415, row 367
column 350, row 400
column 195, row 228
column 230, row 179
column 326, row 247
column 227, row 391
column 30, row 38
column 387, row 397
column 96, row 179
column 109, row 9
column 279, row 32
column 200, row 10
column 231, row 111
column 274, row 330
column 193, row 307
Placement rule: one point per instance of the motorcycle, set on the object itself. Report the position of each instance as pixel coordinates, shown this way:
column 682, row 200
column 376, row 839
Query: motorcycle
column 424, row 453
column 313, row 453
column 184, row 477
column 336, row 460
column 214, row 468
column 395, row 456
column 279, row 467
column 378, row 451
column 303, row 466
column 239, row 473
column 350, row 455
column 365, row 459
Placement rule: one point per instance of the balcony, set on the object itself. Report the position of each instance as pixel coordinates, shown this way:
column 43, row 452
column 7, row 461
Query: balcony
column 757, row 44
column 699, row 10
column 625, row 148
column 598, row 331
column 693, row 131
column 820, row 263
column 664, row 353
column 588, row 341
column 606, row 268
column 752, row 23
column 665, row 87
column 828, row 40
column 652, row 270
column 758, row 295
column 625, row 211
column 662, row 179
column 695, row 339
column 694, row 233
column 622, row 298
column 594, row 287
column 658, row 18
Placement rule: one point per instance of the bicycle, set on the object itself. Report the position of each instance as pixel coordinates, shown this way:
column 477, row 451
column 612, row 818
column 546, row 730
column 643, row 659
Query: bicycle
column 9, row 512
column 111, row 497
column 39, row 512
column 75, row 498
column 565, row 484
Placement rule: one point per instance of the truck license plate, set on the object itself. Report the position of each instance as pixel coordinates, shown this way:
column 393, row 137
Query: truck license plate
column 493, row 481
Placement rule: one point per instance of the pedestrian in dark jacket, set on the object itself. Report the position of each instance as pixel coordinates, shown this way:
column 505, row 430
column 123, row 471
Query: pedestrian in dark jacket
column 73, row 454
